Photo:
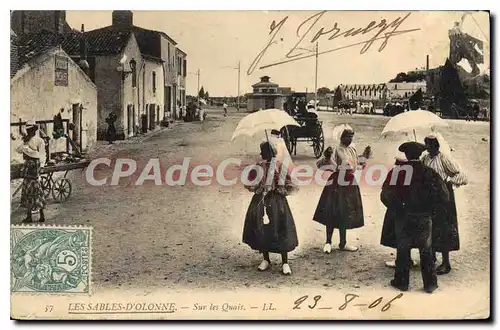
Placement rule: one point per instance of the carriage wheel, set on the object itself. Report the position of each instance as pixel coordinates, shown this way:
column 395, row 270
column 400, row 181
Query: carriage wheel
column 46, row 186
column 319, row 143
column 61, row 190
column 285, row 134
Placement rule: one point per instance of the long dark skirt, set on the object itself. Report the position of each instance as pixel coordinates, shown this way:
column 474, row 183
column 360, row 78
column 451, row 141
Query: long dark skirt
column 31, row 192
column 340, row 206
column 388, row 237
column 111, row 133
column 279, row 235
column 445, row 225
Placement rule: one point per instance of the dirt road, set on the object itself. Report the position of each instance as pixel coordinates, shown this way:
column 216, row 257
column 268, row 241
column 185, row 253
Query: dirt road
column 190, row 237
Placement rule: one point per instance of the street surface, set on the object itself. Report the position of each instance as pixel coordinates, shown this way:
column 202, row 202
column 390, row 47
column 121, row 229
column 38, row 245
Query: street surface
column 188, row 237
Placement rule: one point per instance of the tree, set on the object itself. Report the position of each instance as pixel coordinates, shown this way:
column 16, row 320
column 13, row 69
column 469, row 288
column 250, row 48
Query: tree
column 408, row 77
column 207, row 96
column 323, row 91
column 201, row 93
column 338, row 96
column 451, row 90
column 416, row 100
column 400, row 77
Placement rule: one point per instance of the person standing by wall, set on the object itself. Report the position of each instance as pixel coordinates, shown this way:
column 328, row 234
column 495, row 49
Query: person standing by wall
column 111, row 133
column 32, row 196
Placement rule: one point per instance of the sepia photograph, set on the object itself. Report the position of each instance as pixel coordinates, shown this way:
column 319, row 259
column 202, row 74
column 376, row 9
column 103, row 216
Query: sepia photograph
column 250, row 165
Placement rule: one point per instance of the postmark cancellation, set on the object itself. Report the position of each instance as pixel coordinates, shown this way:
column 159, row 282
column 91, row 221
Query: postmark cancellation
column 50, row 259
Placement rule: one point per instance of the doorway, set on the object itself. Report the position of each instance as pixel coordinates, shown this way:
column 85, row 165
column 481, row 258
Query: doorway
column 269, row 103
column 174, row 98
column 152, row 116
column 168, row 98
column 130, row 119
column 77, row 122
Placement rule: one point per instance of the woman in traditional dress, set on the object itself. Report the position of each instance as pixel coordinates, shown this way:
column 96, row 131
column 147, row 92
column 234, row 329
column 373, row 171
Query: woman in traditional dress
column 340, row 204
column 111, row 132
column 31, row 194
column 269, row 224
column 282, row 154
column 445, row 236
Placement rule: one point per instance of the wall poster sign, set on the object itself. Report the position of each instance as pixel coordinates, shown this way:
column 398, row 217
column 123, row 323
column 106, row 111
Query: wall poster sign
column 61, row 71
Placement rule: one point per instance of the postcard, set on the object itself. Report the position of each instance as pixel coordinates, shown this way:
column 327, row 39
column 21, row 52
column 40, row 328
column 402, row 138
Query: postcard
column 244, row 165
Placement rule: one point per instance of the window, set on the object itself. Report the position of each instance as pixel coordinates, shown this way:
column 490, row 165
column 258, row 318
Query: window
column 396, row 86
column 134, row 74
column 169, row 57
column 154, row 81
column 184, row 68
column 179, row 66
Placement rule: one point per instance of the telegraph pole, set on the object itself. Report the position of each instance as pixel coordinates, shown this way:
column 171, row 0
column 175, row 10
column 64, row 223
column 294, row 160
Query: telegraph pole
column 316, row 79
column 198, row 74
column 239, row 69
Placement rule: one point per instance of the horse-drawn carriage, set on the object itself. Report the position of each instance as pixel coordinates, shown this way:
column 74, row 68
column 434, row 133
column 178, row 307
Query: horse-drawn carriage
column 310, row 130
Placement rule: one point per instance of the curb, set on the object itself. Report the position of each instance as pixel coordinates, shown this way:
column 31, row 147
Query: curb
column 154, row 133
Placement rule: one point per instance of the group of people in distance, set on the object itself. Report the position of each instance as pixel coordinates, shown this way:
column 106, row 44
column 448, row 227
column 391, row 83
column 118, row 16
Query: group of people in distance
column 421, row 211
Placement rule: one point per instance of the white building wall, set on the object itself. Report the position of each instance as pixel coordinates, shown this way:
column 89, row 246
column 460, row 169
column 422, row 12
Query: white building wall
column 34, row 96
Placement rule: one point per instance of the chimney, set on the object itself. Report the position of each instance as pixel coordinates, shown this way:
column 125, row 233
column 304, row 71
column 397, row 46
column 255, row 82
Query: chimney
column 83, row 64
column 33, row 21
column 123, row 18
column 427, row 63
column 57, row 18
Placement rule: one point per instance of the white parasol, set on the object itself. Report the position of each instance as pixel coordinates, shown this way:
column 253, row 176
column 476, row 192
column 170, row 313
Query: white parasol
column 411, row 120
column 262, row 121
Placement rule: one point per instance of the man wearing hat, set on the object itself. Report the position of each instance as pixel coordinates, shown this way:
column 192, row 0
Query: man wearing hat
column 415, row 203
column 32, row 195
column 388, row 237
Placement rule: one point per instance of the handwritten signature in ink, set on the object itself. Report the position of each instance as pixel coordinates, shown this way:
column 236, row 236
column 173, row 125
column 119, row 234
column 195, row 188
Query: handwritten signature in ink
column 308, row 29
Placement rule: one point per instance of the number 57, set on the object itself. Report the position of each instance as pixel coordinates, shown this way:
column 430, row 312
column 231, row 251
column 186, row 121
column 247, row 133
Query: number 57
column 49, row 308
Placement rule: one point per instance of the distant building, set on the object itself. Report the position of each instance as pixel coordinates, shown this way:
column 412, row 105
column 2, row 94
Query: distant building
column 265, row 95
column 405, row 89
column 181, row 77
column 363, row 92
column 285, row 91
column 432, row 80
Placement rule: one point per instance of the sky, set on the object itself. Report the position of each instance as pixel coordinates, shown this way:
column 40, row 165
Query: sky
column 215, row 41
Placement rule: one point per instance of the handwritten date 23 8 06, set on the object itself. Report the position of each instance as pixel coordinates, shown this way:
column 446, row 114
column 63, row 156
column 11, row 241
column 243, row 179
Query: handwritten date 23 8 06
column 308, row 30
column 349, row 298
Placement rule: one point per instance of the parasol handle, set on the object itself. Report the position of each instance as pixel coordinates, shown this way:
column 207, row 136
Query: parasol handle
column 415, row 135
column 270, row 149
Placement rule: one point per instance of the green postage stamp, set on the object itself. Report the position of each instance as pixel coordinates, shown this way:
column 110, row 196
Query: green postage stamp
column 50, row 259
